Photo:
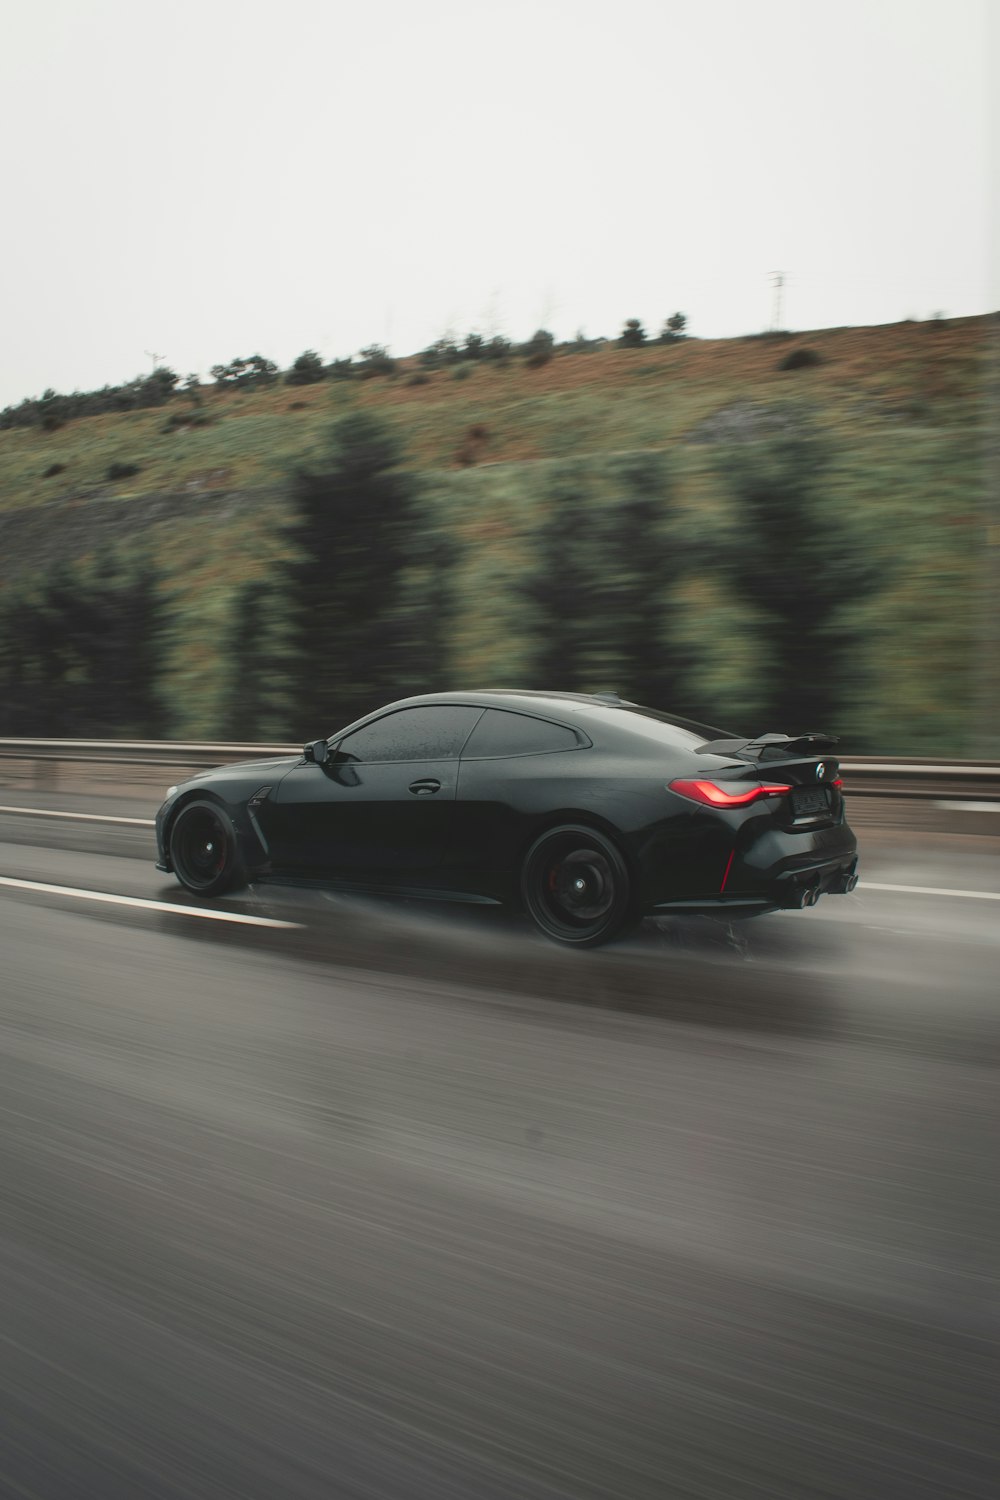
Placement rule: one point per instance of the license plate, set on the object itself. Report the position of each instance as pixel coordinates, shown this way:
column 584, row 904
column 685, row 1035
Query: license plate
column 810, row 799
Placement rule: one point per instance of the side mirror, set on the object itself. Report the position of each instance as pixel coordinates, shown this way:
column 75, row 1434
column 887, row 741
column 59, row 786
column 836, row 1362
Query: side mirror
column 318, row 751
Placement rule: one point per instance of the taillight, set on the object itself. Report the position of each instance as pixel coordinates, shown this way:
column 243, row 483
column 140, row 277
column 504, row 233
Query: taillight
column 712, row 795
column 838, row 782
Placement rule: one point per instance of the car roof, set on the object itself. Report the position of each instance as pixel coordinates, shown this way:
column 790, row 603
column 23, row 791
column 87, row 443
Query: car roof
column 531, row 700
column 589, row 706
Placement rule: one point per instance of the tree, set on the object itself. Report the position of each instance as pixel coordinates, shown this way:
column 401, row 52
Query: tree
column 80, row 651
column 561, row 586
column 633, row 335
column 673, row 328
column 644, row 563
column 605, row 584
column 356, row 520
column 53, row 410
column 498, row 349
column 159, row 386
column 260, row 371
column 308, row 369
column 247, row 373
column 794, row 560
column 258, row 650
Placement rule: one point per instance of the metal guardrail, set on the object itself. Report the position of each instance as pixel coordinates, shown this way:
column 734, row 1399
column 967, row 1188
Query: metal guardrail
column 43, row 760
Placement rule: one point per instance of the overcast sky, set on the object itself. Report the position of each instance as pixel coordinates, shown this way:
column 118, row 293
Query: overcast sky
column 211, row 178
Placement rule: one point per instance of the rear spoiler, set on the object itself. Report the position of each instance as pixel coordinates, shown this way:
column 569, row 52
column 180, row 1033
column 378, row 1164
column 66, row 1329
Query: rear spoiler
column 772, row 746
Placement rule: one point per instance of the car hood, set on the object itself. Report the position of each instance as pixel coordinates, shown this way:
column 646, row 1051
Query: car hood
column 257, row 772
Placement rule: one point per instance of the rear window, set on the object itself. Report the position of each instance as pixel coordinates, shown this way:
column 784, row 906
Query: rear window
column 501, row 733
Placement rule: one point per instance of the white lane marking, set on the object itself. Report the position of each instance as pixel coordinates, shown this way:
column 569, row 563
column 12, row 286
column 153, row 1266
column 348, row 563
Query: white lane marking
column 969, row 806
column 140, row 901
column 929, row 890
column 44, row 812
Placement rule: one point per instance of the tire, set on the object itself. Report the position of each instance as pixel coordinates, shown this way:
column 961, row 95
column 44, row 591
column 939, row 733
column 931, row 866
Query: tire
column 204, row 850
column 576, row 888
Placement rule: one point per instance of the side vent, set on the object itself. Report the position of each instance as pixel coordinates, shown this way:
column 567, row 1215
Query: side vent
column 259, row 797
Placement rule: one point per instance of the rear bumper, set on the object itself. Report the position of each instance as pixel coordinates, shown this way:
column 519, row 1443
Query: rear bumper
column 769, row 878
column 801, row 888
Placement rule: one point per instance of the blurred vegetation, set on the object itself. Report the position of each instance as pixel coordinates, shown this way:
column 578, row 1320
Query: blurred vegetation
column 51, row 411
column 352, row 599
column 80, row 649
column 751, row 538
column 799, row 567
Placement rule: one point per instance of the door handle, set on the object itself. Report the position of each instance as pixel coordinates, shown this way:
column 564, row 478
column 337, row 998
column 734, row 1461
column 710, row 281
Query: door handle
column 425, row 788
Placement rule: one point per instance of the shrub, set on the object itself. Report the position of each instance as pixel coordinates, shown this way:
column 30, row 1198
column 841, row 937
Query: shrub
column 341, row 369
column 443, row 351
column 376, row 361
column 195, row 417
column 801, row 359
column 498, row 349
column 122, row 471
column 461, row 372
column 51, row 411
column 53, row 470
column 471, row 447
column 538, row 350
column 581, row 344
column 306, row 370
column 419, row 377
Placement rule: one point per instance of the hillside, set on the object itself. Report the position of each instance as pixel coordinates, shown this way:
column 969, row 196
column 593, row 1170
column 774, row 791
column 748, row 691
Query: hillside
column 905, row 406
column 895, row 378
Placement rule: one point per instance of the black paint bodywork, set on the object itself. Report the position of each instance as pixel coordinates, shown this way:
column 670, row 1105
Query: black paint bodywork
column 458, row 826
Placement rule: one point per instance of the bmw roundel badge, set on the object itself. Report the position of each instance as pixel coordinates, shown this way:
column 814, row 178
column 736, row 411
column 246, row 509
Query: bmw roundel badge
column 820, row 771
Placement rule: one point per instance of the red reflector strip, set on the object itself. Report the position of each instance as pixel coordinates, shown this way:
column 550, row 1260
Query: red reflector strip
column 712, row 795
column 729, row 866
column 837, row 782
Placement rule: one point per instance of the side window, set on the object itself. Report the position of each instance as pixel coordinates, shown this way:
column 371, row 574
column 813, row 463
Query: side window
column 434, row 732
column 502, row 733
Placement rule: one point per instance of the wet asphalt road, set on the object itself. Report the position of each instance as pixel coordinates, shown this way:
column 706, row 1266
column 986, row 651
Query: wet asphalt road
column 395, row 1203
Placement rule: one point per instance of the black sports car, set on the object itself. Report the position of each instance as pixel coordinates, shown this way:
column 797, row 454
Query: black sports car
column 587, row 811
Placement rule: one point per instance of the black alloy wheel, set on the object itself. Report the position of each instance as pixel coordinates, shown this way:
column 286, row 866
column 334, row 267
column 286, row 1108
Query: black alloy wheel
column 576, row 888
column 203, row 849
